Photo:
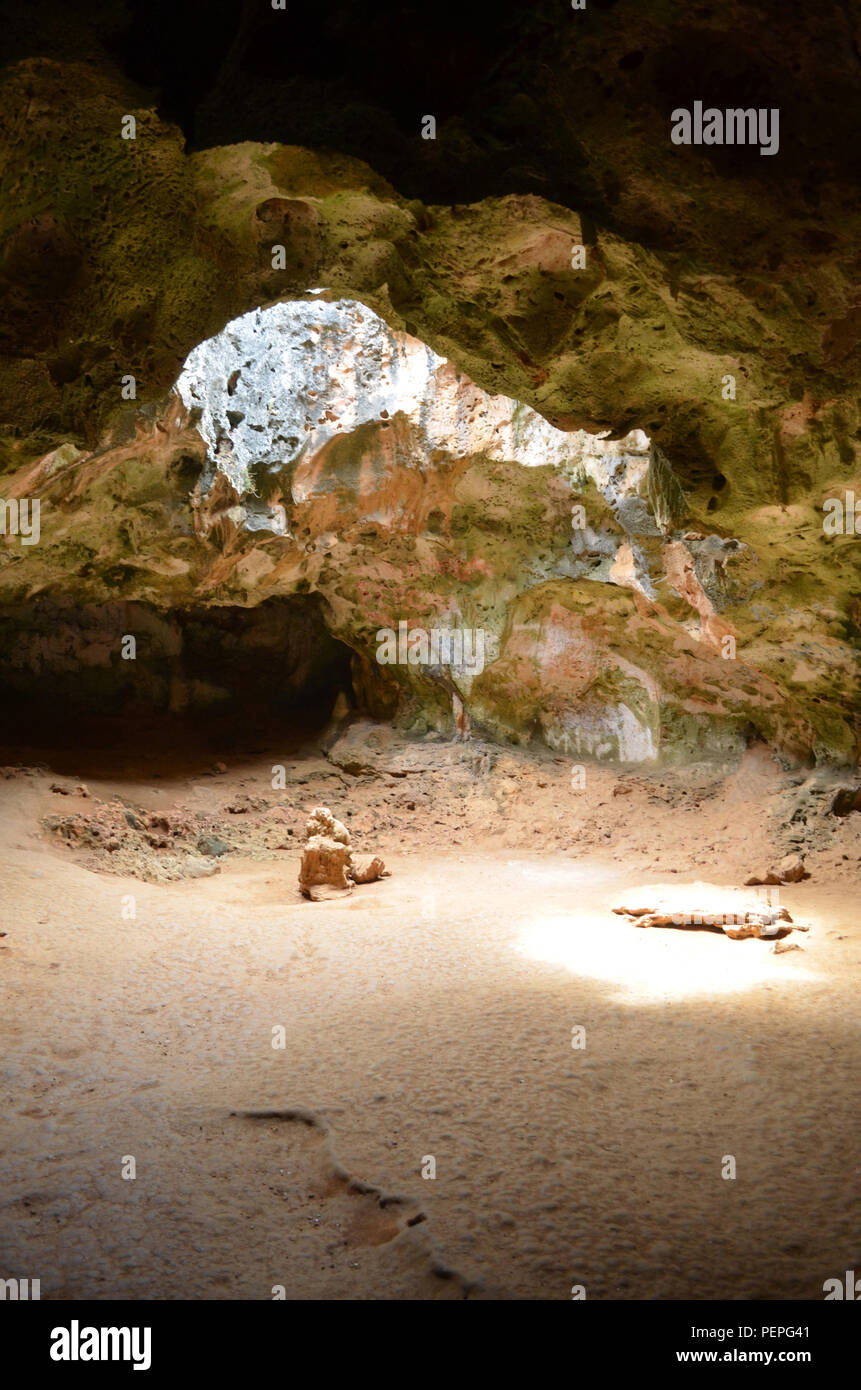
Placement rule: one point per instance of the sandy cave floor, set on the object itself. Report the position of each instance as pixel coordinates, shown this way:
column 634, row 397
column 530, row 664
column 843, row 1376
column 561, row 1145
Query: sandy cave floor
column 429, row 1014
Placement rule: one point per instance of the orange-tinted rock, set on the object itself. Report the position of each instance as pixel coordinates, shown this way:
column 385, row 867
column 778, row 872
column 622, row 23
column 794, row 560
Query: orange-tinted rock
column 368, row 868
column 325, row 865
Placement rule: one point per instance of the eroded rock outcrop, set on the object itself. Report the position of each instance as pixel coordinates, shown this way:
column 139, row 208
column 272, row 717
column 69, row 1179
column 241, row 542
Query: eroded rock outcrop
column 708, row 905
column 318, row 409
column 327, row 869
column 280, row 386
column 349, row 459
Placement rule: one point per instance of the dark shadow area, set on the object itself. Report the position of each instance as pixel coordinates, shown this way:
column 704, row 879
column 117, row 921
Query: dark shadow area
column 522, row 94
column 126, row 688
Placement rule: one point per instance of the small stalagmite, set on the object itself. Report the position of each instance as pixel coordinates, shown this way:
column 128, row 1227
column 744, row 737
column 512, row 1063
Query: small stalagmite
column 327, row 869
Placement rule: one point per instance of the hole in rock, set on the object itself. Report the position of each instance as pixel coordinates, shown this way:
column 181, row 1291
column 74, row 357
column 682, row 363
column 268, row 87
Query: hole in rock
column 202, row 682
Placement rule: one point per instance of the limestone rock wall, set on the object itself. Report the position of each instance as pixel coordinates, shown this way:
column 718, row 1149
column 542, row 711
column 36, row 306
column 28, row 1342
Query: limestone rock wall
column 516, row 388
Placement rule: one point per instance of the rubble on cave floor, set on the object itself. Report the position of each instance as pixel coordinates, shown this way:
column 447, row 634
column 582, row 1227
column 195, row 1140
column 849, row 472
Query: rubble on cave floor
column 398, row 794
column 121, row 836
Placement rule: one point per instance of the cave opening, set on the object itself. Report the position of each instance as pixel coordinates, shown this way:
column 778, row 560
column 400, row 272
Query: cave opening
column 130, row 687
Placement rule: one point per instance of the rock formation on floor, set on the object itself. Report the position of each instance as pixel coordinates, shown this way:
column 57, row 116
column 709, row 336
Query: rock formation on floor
column 737, row 914
column 327, row 869
column 790, row 870
column 321, row 822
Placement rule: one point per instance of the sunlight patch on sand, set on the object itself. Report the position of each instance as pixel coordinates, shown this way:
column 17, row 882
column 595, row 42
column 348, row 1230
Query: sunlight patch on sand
column 657, row 963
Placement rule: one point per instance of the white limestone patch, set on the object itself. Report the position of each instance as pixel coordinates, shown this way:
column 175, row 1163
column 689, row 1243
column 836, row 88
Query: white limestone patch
column 278, row 384
column 281, row 382
column 613, row 733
